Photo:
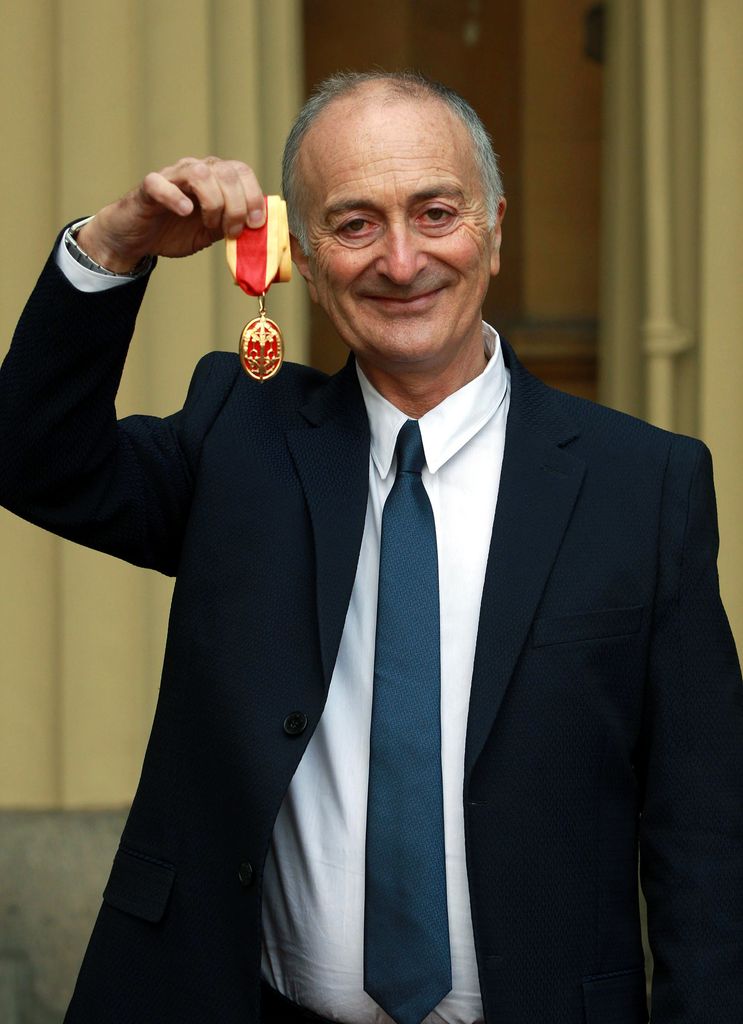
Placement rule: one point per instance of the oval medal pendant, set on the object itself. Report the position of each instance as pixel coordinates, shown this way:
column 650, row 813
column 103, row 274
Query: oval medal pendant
column 261, row 348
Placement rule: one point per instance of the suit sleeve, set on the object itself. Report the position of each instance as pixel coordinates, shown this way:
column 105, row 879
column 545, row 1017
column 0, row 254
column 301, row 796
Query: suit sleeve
column 66, row 463
column 691, row 829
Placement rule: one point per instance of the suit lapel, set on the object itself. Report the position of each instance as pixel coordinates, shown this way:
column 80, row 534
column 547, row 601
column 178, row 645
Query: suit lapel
column 538, row 488
column 331, row 455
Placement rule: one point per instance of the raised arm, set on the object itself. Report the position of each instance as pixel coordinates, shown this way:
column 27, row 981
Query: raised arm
column 65, row 462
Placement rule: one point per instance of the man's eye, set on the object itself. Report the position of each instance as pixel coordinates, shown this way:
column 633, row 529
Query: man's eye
column 353, row 227
column 437, row 217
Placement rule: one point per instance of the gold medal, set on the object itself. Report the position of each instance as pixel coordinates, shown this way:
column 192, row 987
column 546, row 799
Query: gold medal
column 257, row 259
column 261, row 346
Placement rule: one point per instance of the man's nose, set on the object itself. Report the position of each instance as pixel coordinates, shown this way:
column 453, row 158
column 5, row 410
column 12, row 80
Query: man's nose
column 401, row 258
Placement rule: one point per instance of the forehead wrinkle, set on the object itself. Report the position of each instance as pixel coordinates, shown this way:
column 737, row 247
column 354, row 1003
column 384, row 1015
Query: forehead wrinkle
column 358, row 167
column 361, row 202
column 419, row 173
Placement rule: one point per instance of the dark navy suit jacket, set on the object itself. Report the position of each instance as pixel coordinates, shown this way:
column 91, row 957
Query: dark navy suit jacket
column 606, row 712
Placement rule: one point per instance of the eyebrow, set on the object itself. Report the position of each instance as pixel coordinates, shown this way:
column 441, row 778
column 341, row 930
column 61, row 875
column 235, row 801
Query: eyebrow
column 444, row 192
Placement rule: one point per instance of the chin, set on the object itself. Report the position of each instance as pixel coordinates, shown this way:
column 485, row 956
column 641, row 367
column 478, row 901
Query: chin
column 404, row 335
column 400, row 353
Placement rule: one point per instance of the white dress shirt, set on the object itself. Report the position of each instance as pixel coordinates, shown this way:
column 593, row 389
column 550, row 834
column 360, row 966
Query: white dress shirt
column 313, row 889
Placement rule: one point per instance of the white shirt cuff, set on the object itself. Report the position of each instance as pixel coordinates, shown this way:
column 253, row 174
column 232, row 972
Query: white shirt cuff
column 81, row 277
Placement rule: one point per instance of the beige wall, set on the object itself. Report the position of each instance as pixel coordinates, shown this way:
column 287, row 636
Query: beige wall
column 93, row 96
column 672, row 303
column 721, row 291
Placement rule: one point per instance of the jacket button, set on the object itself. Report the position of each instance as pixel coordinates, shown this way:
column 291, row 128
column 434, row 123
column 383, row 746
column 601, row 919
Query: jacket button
column 295, row 723
column 245, row 874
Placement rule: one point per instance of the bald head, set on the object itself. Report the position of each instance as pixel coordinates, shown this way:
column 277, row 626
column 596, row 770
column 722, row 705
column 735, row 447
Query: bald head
column 384, row 86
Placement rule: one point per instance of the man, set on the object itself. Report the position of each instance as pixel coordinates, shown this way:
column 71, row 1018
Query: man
column 446, row 532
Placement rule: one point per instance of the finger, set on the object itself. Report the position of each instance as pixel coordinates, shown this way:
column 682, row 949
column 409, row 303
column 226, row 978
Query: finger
column 254, row 199
column 241, row 202
column 201, row 182
column 157, row 189
column 235, row 210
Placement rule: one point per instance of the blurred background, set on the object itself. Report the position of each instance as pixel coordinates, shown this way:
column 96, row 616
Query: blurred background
column 621, row 140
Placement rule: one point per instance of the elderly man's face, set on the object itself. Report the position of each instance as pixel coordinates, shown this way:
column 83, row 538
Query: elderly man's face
column 400, row 252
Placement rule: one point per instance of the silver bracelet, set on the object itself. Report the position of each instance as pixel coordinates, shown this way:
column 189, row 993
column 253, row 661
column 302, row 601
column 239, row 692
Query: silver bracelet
column 81, row 257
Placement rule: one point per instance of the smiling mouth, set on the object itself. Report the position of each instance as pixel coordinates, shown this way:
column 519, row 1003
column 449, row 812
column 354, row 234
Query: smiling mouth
column 410, row 303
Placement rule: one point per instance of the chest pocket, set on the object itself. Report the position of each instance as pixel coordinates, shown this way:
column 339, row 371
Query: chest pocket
column 594, row 625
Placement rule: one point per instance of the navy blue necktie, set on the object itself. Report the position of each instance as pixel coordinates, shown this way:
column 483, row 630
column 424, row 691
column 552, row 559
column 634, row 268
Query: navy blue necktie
column 407, row 962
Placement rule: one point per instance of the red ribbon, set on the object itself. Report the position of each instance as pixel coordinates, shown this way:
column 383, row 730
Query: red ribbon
column 251, row 258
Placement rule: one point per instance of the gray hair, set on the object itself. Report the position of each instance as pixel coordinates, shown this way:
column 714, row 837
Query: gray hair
column 406, row 84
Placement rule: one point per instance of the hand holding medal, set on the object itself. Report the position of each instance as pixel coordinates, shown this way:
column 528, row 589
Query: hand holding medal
column 258, row 258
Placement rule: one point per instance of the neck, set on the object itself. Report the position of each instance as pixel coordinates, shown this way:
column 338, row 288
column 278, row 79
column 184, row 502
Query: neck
column 416, row 391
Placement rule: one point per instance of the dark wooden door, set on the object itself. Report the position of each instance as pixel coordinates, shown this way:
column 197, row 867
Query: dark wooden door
column 522, row 64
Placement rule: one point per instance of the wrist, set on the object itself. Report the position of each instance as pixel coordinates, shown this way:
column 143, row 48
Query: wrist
column 91, row 249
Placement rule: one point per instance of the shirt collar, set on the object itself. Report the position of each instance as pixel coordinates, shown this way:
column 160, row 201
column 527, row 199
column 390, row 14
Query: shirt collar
column 447, row 427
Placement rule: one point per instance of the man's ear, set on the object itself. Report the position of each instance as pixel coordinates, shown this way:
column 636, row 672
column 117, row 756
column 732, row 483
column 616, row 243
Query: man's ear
column 495, row 236
column 302, row 263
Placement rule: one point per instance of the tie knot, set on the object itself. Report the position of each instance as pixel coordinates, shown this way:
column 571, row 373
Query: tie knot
column 409, row 448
